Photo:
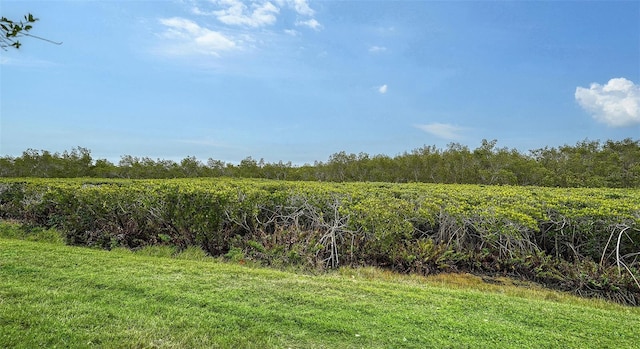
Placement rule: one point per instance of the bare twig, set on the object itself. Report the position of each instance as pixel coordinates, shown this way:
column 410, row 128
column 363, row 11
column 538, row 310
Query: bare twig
column 630, row 273
column 334, row 229
column 41, row 38
column 618, row 246
column 604, row 251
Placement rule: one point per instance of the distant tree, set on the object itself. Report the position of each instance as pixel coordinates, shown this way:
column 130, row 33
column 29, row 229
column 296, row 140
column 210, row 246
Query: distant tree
column 341, row 167
column 191, row 167
column 248, row 168
column 278, row 170
column 586, row 164
column 622, row 163
column 216, row 168
column 103, row 168
column 76, row 163
column 7, row 168
column 459, row 165
column 383, row 169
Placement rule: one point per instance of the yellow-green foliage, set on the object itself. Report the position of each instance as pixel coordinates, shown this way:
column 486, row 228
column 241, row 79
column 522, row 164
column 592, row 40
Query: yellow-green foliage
column 408, row 227
column 206, row 205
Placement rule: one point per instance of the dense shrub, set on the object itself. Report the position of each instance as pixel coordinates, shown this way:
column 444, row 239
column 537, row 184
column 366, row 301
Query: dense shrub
column 583, row 240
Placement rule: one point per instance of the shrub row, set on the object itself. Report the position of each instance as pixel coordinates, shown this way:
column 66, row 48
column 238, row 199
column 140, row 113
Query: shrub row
column 583, row 240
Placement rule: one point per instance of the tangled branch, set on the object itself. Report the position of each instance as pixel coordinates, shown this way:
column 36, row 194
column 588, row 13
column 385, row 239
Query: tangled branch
column 11, row 31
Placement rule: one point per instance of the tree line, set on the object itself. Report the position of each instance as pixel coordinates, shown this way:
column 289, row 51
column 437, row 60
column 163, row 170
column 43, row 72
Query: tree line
column 586, row 164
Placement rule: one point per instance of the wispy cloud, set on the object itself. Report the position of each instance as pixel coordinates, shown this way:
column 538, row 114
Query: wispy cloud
column 235, row 12
column 300, row 6
column 311, row 23
column 226, row 25
column 26, row 62
column 185, row 37
column 377, row 49
column 260, row 13
column 444, row 131
column 383, row 89
column 617, row 103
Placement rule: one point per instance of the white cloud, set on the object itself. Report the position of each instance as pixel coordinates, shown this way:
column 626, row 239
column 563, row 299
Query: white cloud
column 383, row 89
column 616, row 104
column 311, row 23
column 376, row 49
column 445, row 131
column 300, row 6
column 187, row 37
column 25, row 62
column 257, row 13
column 237, row 13
column 237, row 25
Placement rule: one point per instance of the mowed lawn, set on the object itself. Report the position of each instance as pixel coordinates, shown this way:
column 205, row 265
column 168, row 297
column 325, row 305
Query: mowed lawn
column 53, row 295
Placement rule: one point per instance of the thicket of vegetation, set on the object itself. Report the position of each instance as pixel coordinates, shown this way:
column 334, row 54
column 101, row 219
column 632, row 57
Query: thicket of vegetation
column 582, row 240
column 587, row 164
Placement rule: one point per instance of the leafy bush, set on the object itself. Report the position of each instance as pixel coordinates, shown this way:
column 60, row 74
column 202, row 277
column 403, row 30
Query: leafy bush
column 541, row 234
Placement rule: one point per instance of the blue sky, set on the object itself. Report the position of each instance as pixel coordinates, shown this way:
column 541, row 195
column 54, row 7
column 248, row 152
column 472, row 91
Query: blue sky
column 299, row 80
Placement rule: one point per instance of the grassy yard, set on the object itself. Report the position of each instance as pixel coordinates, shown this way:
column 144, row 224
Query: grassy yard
column 53, row 295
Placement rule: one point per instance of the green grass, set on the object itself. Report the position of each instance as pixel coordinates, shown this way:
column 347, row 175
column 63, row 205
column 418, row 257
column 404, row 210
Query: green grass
column 53, row 295
column 16, row 230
